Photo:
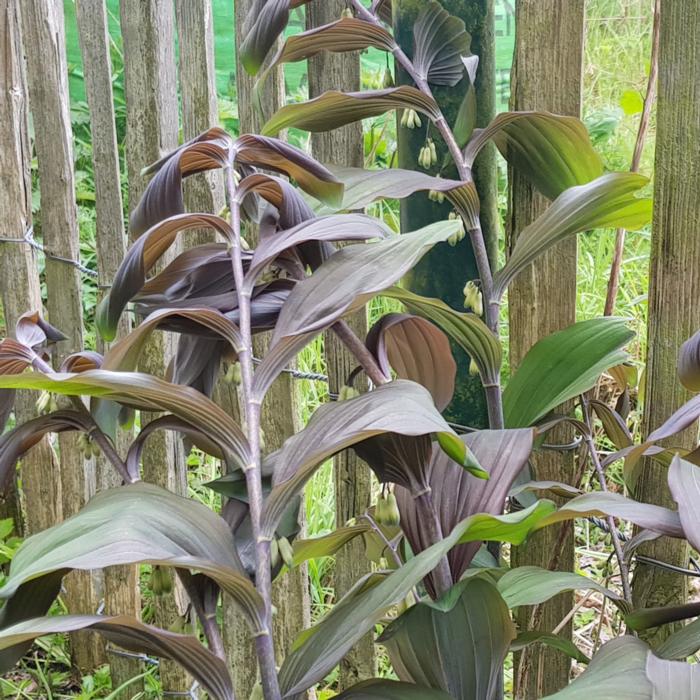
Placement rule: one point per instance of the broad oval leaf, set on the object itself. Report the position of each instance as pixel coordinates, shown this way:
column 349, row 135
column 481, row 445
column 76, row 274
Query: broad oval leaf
column 401, row 407
column 440, row 41
column 606, row 202
column 145, row 392
column 342, row 227
column 365, row 270
column 417, row 350
column 333, row 109
column 138, row 523
column 319, row 649
column 562, row 366
column 467, row 330
column 362, row 187
column 130, row 634
column 554, row 152
column 265, row 21
column 457, row 644
column 684, row 482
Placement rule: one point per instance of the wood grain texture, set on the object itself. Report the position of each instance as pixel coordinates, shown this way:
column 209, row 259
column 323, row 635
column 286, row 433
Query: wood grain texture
column 47, row 76
column 279, row 420
column 547, row 75
column 197, row 80
column 118, row 585
column 19, row 275
column 352, row 477
column 148, row 36
column 674, row 276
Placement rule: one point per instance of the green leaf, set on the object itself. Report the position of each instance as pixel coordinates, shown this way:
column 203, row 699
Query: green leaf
column 391, row 690
column 457, row 643
column 606, row 202
column 138, row 523
column 681, row 644
column 532, row 585
column 320, row 300
column 130, row 634
column 467, row 330
column 333, row 109
column 440, row 42
column 561, row 366
column 654, row 617
column 553, row 641
column 631, row 102
column 329, row 544
column 400, row 406
column 145, row 392
column 553, row 152
column 319, row 649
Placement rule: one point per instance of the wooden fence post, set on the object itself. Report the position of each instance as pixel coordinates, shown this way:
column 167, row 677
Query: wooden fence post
column 674, row 280
column 197, row 80
column 47, row 77
column 547, row 75
column 19, row 280
column 352, row 477
column 280, row 419
column 152, row 130
column 119, row 584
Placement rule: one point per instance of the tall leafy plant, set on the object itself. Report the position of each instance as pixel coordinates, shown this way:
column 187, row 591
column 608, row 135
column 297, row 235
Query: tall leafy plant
column 444, row 493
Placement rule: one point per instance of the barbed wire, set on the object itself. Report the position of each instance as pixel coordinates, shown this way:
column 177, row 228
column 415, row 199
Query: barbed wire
column 28, row 239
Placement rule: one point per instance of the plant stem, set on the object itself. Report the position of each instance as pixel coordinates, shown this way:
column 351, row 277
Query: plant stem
column 208, row 622
column 263, row 579
column 360, row 352
column 442, row 576
column 476, row 235
column 614, row 281
column 595, row 458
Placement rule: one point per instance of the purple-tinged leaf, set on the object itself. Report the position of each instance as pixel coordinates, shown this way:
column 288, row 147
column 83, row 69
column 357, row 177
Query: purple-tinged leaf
column 458, row 495
column 138, row 523
column 319, row 301
column 689, row 363
column 145, row 392
column 266, row 20
column 130, row 634
column 467, row 330
column 440, row 43
column 334, row 109
column 556, row 487
column 397, row 407
column 32, row 330
column 343, row 227
column 317, row 650
column 684, row 482
column 163, row 197
column 362, row 187
column 82, row 361
column 417, row 350
column 272, row 154
column 603, row 503
column 141, row 257
column 292, row 207
column 614, row 426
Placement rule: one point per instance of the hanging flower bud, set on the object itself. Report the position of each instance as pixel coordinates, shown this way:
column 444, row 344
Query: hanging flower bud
column 233, row 374
column 286, row 551
column 433, row 151
column 386, row 512
column 410, row 119
column 388, row 79
column 473, row 367
column 458, row 235
column 262, row 440
column 275, row 558
column 436, row 196
column 346, row 14
column 43, row 403
column 473, row 299
column 689, row 363
column 347, row 392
